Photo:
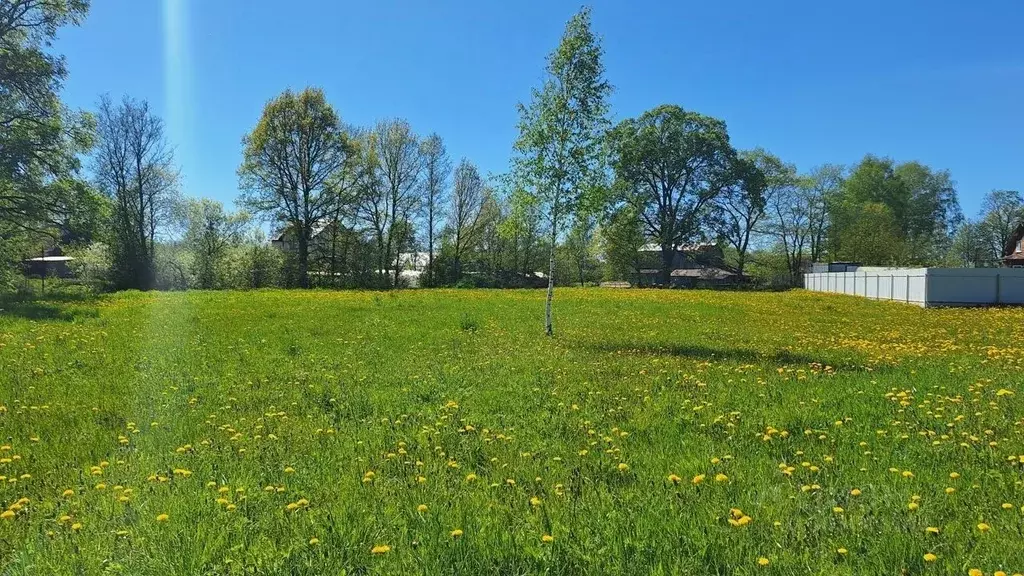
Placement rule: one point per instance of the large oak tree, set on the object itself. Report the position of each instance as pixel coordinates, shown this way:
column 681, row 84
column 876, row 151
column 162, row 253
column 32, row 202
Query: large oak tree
column 671, row 165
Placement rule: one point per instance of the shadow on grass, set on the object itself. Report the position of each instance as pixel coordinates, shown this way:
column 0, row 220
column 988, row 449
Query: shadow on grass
column 739, row 355
column 60, row 307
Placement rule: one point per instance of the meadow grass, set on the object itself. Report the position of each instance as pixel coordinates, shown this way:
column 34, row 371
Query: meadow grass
column 439, row 432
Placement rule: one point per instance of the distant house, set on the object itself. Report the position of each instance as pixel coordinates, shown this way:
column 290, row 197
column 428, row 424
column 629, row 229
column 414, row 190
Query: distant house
column 693, row 265
column 287, row 239
column 51, row 263
column 1013, row 254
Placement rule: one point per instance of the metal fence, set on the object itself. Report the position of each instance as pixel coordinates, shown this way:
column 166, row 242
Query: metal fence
column 926, row 286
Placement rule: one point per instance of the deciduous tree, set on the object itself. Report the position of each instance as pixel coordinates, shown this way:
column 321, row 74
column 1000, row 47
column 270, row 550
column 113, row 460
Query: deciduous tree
column 437, row 169
column 297, row 163
column 134, row 166
column 671, row 165
column 559, row 156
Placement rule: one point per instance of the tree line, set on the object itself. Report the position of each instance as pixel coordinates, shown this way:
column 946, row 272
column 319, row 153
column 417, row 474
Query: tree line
column 585, row 199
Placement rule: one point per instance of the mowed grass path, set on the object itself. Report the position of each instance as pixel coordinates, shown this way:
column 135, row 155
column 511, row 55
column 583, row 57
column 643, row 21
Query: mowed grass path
column 439, row 432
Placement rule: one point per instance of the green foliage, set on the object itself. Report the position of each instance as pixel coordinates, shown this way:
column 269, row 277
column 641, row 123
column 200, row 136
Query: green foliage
column 560, row 156
column 870, row 234
column 1002, row 212
column 210, row 234
column 971, row 247
column 671, row 165
column 42, row 198
column 297, row 163
column 921, row 202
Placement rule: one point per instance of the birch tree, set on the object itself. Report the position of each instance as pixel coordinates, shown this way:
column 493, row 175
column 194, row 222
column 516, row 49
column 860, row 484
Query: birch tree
column 559, row 155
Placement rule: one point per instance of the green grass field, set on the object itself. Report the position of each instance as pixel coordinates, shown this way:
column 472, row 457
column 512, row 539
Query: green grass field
column 439, row 432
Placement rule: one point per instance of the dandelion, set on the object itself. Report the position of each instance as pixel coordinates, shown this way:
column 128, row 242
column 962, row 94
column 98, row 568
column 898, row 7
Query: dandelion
column 162, row 518
column 7, row 514
column 457, row 533
column 674, row 479
column 76, row 526
column 762, row 561
column 547, row 538
column 68, row 493
column 422, row 508
column 913, row 506
column 929, row 557
column 535, row 502
column 380, row 549
column 314, row 541
column 838, row 510
column 623, row 467
column 1007, row 506
column 841, row 551
column 983, row 527
column 932, row 530
column 470, row 477
column 289, row 470
column 975, row 572
column 721, row 477
column 697, row 479
column 855, row 492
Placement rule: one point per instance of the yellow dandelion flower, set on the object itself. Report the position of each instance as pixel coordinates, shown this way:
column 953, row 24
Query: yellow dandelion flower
column 380, row 549
column 984, row 527
column 762, row 561
column 457, row 533
column 932, row 530
column 314, row 541
column 674, row 479
column 697, row 479
column 929, row 557
column 855, row 492
column 721, row 477
column 422, row 508
column 76, row 526
column 623, row 467
column 162, row 518
column 975, row 572
column 68, row 493
column 547, row 538
column 913, row 506
column 841, row 551
column 7, row 514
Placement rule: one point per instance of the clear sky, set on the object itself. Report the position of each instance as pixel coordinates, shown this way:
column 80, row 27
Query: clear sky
column 938, row 81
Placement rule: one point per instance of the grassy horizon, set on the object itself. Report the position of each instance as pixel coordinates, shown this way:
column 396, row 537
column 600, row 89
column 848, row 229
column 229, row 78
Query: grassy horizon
column 439, row 431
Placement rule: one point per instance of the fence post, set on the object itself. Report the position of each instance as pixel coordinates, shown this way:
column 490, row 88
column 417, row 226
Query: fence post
column 892, row 286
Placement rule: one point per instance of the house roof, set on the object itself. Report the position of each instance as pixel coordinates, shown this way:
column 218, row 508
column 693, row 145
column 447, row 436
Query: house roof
column 317, row 229
column 50, row 259
column 705, row 273
column 1011, row 244
column 696, row 247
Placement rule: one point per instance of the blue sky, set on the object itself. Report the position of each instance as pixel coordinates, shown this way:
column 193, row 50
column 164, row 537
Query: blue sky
column 941, row 82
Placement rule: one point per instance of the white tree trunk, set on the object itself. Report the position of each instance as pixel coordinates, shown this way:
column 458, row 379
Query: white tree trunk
column 548, row 328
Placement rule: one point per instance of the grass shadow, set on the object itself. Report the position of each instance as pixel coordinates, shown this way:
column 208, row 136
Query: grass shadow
column 708, row 353
column 64, row 308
